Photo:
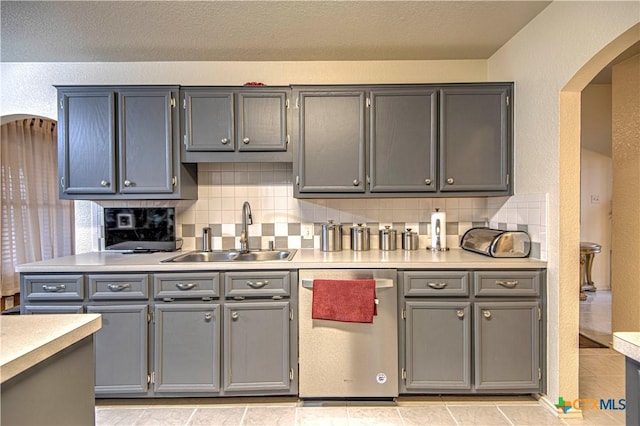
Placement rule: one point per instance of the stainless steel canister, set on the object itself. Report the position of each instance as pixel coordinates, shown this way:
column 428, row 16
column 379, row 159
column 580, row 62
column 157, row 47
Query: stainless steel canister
column 360, row 237
column 331, row 237
column 409, row 240
column 388, row 239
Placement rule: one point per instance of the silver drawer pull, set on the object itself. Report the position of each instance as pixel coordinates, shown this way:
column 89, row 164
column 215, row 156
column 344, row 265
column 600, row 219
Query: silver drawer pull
column 486, row 314
column 54, row 288
column 183, row 286
column 208, row 316
column 460, row 313
column 257, row 284
column 235, row 315
column 118, row 287
column 507, row 284
column 437, row 286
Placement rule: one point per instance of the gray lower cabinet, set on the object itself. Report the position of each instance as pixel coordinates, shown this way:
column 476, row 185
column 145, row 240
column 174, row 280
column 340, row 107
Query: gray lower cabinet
column 187, row 348
column 458, row 341
column 121, row 349
column 121, row 142
column 256, row 346
column 226, row 124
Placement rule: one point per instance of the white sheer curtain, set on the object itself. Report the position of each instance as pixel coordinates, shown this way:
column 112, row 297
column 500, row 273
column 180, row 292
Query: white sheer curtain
column 36, row 225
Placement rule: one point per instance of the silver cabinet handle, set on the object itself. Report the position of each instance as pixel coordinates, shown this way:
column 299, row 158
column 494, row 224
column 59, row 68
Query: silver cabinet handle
column 246, row 140
column 118, row 287
column 105, row 183
column 427, row 181
column 437, row 286
column 257, row 284
column 486, row 314
column 225, row 141
column 54, row 288
column 507, row 284
column 208, row 316
column 127, row 182
column 356, row 182
column 460, row 313
column 450, row 181
column 188, row 286
column 235, row 315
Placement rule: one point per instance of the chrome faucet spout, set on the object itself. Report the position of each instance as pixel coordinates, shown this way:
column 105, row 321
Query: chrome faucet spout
column 246, row 220
column 206, row 239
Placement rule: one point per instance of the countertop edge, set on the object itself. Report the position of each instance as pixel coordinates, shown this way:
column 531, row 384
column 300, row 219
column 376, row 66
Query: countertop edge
column 628, row 344
column 87, row 325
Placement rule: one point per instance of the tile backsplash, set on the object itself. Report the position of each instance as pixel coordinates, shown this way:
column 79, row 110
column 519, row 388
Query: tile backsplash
column 279, row 217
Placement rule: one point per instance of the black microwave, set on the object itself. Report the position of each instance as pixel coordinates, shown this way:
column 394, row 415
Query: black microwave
column 140, row 229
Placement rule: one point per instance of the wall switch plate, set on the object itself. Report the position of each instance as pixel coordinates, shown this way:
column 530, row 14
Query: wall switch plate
column 307, row 231
column 595, row 199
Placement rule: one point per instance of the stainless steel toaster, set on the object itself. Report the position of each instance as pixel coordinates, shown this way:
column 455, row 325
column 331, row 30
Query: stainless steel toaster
column 496, row 243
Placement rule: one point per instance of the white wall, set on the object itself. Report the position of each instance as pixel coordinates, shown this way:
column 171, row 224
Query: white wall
column 542, row 59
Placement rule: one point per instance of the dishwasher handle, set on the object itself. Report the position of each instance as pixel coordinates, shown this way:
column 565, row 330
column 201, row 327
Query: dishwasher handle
column 380, row 283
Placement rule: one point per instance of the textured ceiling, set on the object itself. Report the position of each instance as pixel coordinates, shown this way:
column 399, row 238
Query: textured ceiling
column 97, row 31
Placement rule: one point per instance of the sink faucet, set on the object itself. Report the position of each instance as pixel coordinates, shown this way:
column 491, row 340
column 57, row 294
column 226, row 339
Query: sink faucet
column 206, row 239
column 246, row 220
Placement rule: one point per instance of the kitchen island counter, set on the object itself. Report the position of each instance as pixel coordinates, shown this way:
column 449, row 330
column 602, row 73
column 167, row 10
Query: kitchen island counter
column 304, row 258
column 628, row 344
column 48, row 359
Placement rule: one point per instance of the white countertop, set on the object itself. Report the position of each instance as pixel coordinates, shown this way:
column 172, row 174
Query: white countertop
column 628, row 344
column 25, row 340
column 304, row 259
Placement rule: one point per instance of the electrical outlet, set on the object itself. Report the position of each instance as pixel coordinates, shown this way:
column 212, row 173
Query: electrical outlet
column 595, row 199
column 307, row 231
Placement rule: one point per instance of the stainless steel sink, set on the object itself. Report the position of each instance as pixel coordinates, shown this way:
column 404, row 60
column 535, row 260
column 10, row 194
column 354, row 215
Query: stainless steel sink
column 233, row 256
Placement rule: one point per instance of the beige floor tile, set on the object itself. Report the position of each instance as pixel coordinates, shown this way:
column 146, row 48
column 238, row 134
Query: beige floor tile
column 210, row 416
column 426, row 415
column 270, row 415
column 117, row 416
column 374, row 416
column 596, row 418
column 164, row 416
column 321, row 416
column 529, row 415
column 477, row 415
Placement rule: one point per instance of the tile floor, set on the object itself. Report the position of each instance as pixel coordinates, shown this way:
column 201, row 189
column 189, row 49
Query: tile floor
column 601, row 376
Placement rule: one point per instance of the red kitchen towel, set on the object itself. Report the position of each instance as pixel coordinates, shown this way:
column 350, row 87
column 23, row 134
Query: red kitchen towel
column 344, row 300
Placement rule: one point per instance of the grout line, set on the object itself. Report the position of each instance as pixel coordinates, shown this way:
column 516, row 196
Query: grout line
column 505, row 416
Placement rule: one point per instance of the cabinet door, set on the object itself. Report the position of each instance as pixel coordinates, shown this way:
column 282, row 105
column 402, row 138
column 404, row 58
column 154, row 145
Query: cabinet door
column 262, row 122
column 438, row 346
column 187, row 348
column 331, row 141
column 146, row 120
column 475, row 138
column 120, row 349
column 403, row 140
column 256, row 346
column 208, row 122
column 507, row 346
column 87, row 144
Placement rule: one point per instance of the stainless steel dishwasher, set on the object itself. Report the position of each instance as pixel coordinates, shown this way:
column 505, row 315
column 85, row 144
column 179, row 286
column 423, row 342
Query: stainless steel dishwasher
column 345, row 359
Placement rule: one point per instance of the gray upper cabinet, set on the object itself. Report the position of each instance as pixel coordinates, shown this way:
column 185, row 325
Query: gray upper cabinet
column 331, row 138
column 475, row 139
column 121, row 143
column 402, row 143
column 226, row 124
column 445, row 140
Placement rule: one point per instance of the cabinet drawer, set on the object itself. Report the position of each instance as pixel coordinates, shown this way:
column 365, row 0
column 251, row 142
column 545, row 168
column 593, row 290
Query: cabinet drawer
column 54, row 287
column 507, row 283
column 436, row 283
column 53, row 309
column 186, row 286
column 103, row 287
column 257, row 284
